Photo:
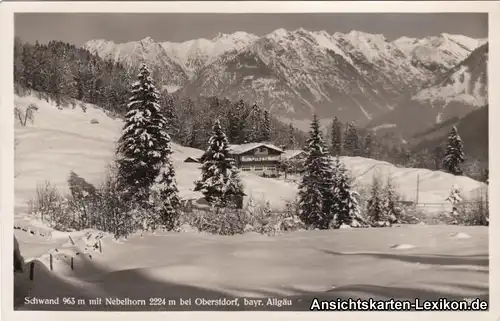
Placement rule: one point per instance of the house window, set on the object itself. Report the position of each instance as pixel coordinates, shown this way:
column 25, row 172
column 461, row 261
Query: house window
column 271, row 168
column 245, row 169
column 258, row 168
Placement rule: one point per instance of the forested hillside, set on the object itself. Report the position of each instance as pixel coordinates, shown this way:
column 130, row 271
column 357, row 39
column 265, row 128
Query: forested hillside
column 62, row 72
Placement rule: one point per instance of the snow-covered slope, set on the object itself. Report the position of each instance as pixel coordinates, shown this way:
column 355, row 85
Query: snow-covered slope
column 355, row 76
column 133, row 54
column 466, row 82
column 457, row 92
column 438, row 53
column 383, row 63
column 194, row 54
column 293, row 74
column 358, row 263
column 63, row 140
column 299, row 266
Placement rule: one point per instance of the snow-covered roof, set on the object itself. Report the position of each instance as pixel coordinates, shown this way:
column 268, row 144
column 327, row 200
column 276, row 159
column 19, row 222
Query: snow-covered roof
column 243, row 148
column 192, row 159
column 291, row 153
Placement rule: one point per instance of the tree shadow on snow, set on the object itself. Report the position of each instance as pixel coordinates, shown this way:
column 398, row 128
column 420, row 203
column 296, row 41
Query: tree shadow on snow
column 134, row 284
column 478, row 260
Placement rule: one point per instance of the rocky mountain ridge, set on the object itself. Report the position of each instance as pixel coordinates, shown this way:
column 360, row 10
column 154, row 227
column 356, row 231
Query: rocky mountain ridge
column 356, row 75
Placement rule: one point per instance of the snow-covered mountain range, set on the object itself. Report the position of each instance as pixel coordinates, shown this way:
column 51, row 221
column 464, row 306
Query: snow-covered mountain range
column 356, row 75
column 462, row 89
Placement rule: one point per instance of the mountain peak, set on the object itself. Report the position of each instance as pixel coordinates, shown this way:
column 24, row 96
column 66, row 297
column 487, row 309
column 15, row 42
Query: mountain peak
column 278, row 33
column 365, row 35
column 300, row 71
column 147, row 40
column 237, row 35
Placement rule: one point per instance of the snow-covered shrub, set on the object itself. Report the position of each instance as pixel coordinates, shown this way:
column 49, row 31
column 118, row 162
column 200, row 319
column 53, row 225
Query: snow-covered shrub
column 52, row 207
column 290, row 218
column 408, row 214
column 103, row 208
column 254, row 217
column 217, row 220
column 27, row 115
column 82, row 201
column 476, row 210
column 263, row 219
column 94, row 121
column 117, row 214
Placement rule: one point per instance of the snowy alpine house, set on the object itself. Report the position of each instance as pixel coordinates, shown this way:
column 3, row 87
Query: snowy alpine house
column 261, row 158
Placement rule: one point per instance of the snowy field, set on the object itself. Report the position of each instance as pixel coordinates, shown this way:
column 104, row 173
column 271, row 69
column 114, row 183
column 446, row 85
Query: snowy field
column 445, row 261
column 400, row 262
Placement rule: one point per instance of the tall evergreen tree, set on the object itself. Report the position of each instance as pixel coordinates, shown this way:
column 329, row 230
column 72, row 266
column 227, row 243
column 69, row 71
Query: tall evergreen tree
column 141, row 149
column 253, row 125
column 234, row 123
column 393, row 212
column 336, row 136
column 375, row 206
column 368, row 146
column 170, row 114
column 454, row 154
column 316, row 186
column 220, row 181
column 19, row 66
column 292, row 142
column 437, row 156
column 352, row 146
column 266, row 127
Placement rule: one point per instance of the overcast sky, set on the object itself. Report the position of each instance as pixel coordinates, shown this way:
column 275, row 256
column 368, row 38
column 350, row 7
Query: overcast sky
column 77, row 28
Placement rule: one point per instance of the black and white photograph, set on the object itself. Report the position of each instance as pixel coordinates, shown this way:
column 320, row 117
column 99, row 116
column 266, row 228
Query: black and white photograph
column 323, row 161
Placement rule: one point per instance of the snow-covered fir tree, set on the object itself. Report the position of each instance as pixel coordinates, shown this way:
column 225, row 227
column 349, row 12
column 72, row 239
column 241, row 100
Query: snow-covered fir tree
column 336, row 137
column 454, row 154
column 352, row 145
column 454, row 198
column 393, row 212
column 220, row 181
column 167, row 202
column 317, row 183
column 346, row 205
column 376, row 211
column 141, row 150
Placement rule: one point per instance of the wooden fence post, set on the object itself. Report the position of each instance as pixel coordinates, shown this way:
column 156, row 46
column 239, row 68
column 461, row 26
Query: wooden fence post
column 32, row 270
column 100, row 246
column 72, row 267
column 50, row 261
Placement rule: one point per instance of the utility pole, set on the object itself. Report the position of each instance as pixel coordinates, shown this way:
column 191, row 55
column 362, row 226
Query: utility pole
column 418, row 187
